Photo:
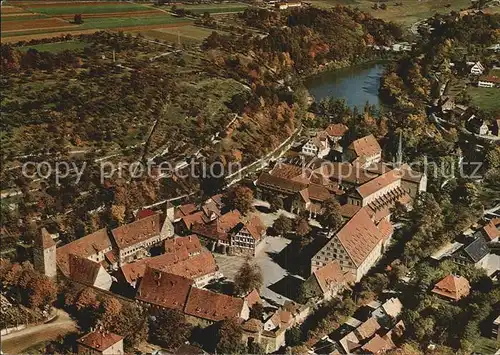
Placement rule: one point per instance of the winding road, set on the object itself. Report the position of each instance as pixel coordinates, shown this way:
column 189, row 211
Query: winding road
column 18, row 342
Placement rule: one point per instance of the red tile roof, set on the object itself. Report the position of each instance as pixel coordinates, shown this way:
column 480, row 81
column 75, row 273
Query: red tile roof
column 144, row 213
column 84, row 247
column 196, row 266
column 359, row 236
column 349, row 210
column 491, row 230
column 336, row 130
column 454, row 287
column 219, row 228
column 193, row 219
column 138, row 231
column 99, row 340
column 164, row 289
column 212, row 306
column 133, row 272
column 377, row 345
column 255, row 227
column 191, row 244
column 83, row 270
column 366, row 146
column 379, row 183
column 184, row 210
column 253, row 298
column 331, row 274
column 386, row 228
column 44, row 240
column 367, row 328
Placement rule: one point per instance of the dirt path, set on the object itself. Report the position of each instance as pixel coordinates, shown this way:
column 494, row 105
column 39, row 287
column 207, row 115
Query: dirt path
column 16, row 343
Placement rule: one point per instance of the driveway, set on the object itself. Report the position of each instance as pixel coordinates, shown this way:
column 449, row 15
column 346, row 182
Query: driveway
column 16, row 343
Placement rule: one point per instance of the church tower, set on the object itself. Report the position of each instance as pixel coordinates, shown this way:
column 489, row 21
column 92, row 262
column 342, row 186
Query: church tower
column 44, row 254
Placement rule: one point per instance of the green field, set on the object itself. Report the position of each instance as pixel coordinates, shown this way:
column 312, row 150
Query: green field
column 110, row 23
column 87, row 9
column 187, row 34
column 22, row 18
column 56, row 47
column 215, row 8
column 411, row 11
column 486, row 98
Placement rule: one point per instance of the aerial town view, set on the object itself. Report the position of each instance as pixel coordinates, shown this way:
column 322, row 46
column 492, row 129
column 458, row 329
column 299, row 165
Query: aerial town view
column 250, row 177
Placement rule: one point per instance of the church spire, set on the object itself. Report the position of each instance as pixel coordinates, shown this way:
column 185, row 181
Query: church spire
column 399, row 155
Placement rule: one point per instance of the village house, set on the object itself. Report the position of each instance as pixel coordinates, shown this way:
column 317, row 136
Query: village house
column 491, row 231
column 288, row 315
column 318, row 146
column 452, row 287
column 247, row 236
column 473, row 252
column 100, row 342
column 327, row 281
column 356, row 246
column 488, row 81
column 217, row 232
column 364, row 151
column 134, row 240
column 335, row 132
column 447, row 103
column 491, row 80
column 270, row 340
column 286, row 5
column 476, row 68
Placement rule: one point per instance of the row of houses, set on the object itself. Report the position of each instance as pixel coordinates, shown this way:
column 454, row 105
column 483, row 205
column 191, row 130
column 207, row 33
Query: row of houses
column 373, row 330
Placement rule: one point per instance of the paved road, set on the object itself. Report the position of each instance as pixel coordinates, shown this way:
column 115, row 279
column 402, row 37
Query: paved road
column 16, row 343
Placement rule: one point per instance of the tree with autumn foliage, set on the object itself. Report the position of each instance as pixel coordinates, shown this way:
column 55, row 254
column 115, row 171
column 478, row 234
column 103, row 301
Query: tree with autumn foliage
column 109, row 312
column 248, row 278
column 21, row 282
column 169, row 329
column 331, row 217
column 302, row 227
column 239, row 198
column 229, row 336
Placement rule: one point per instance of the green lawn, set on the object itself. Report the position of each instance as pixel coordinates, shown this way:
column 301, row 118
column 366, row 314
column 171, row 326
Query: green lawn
column 114, row 22
column 486, row 346
column 411, row 11
column 86, row 9
column 57, row 46
column 486, row 98
column 214, row 8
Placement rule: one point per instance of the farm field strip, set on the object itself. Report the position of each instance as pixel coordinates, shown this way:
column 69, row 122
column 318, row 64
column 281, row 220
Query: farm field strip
column 117, row 14
column 11, row 26
column 84, row 8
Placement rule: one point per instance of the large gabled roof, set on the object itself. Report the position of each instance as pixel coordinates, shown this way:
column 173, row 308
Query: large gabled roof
column 366, row 146
column 359, row 236
column 164, row 289
column 84, row 247
column 212, row 306
column 137, row 231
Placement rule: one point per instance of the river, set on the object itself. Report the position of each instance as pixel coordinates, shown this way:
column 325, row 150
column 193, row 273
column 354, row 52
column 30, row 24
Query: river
column 357, row 84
